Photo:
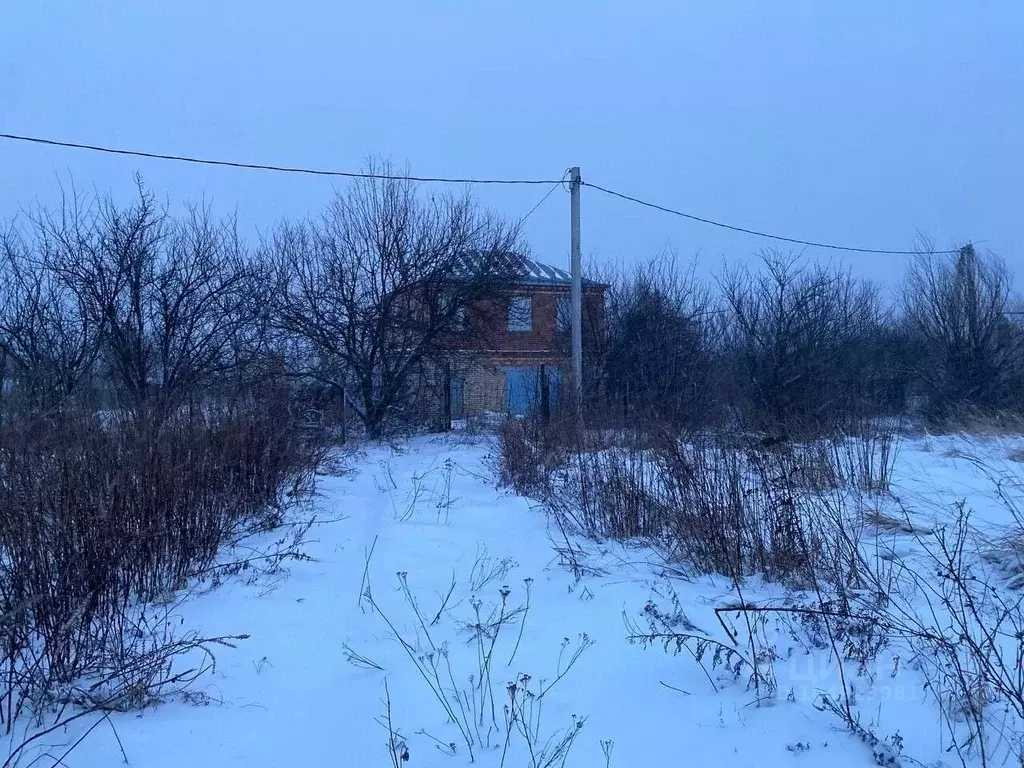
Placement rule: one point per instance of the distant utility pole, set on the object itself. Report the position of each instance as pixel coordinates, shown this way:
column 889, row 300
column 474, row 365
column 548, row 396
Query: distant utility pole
column 577, row 291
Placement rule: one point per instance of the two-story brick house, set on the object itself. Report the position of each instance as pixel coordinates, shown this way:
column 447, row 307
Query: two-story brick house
column 514, row 344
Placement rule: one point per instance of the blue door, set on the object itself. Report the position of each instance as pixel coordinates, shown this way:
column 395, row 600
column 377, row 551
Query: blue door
column 522, row 389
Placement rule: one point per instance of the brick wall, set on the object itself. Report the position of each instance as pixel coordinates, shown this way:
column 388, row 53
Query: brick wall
column 490, row 347
column 488, row 332
column 485, row 388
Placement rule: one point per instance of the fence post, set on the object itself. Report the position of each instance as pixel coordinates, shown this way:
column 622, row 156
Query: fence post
column 545, row 405
column 344, row 416
column 446, row 424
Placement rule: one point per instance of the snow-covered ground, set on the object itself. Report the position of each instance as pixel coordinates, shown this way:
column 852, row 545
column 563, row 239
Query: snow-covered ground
column 417, row 560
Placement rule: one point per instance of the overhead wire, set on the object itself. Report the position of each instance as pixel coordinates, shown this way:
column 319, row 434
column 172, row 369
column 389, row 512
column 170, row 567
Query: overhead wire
column 454, row 180
column 756, row 233
column 266, row 167
column 556, row 185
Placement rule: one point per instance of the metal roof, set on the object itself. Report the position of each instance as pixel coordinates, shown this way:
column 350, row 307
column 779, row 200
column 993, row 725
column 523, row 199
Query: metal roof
column 528, row 271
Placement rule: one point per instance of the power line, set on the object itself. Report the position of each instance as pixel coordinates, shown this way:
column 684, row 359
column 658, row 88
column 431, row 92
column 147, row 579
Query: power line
column 264, row 167
column 546, row 196
column 754, row 232
column 446, row 180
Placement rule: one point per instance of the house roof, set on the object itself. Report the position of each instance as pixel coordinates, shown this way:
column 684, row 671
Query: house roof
column 529, row 271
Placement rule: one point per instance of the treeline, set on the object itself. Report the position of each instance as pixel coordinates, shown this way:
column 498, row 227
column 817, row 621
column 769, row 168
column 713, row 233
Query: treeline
column 794, row 347
column 132, row 309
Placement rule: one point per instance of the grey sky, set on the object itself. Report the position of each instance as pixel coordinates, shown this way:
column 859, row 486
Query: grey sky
column 859, row 122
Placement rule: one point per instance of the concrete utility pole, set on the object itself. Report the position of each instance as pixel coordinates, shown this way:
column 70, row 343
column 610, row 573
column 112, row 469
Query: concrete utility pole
column 577, row 290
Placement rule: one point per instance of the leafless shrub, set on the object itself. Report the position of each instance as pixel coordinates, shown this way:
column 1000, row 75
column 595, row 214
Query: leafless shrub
column 659, row 352
column 958, row 306
column 861, row 459
column 470, row 703
column 99, row 516
column 951, row 615
column 487, row 570
column 709, row 505
column 963, row 630
column 144, row 426
column 867, row 456
column 982, row 423
column 143, row 674
column 606, row 496
column 809, row 348
column 529, row 451
column 672, row 630
column 523, row 716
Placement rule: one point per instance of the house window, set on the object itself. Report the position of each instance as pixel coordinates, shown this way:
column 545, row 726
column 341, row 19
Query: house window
column 563, row 314
column 458, row 311
column 520, row 313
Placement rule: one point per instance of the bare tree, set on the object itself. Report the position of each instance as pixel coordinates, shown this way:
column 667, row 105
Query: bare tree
column 802, row 340
column 48, row 343
column 660, row 351
column 369, row 293
column 957, row 305
column 169, row 296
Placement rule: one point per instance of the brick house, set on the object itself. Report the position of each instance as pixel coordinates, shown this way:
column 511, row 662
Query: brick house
column 513, row 345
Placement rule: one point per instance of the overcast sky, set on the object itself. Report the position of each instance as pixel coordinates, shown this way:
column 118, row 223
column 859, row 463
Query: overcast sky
column 861, row 122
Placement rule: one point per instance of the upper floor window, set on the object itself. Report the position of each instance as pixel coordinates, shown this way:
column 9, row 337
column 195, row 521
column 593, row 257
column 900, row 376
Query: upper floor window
column 455, row 306
column 563, row 314
column 520, row 313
